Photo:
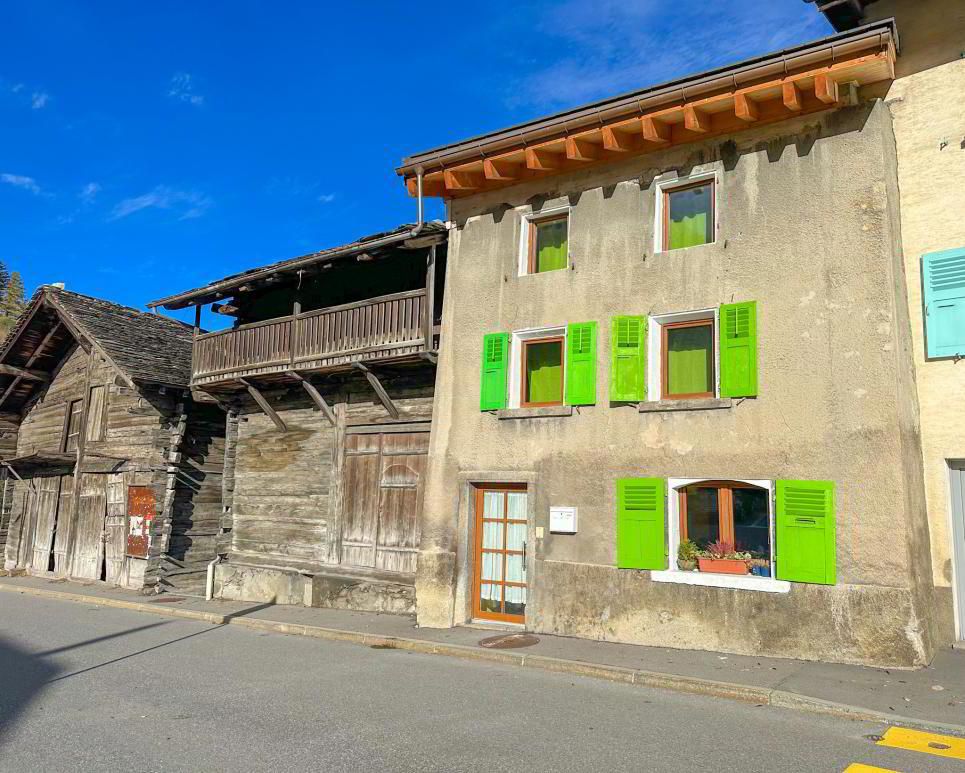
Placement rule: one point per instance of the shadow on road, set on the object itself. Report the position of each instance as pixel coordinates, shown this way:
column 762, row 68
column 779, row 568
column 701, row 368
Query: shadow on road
column 24, row 677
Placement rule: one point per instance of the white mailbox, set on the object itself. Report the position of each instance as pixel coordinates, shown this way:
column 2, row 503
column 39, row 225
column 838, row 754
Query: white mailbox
column 563, row 520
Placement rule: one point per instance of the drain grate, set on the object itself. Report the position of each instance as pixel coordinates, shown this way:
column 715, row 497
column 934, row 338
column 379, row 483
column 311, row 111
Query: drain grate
column 509, row 641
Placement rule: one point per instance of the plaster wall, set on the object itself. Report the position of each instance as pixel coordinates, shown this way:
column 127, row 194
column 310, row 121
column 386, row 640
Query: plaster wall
column 808, row 227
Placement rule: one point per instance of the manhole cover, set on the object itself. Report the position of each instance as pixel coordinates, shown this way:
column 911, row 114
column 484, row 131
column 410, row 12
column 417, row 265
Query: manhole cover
column 166, row 600
column 509, row 641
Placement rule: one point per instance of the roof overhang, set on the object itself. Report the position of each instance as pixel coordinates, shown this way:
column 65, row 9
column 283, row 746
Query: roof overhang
column 843, row 14
column 53, row 463
column 776, row 87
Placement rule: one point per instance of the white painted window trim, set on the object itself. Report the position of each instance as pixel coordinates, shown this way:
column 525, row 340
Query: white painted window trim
column 516, row 357
column 667, row 183
column 737, row 581
column 526, row 219
column 655, row 347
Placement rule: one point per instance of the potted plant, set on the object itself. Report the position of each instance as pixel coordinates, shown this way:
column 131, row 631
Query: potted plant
column 721, row 558
column 687, row 555
column 761, row 567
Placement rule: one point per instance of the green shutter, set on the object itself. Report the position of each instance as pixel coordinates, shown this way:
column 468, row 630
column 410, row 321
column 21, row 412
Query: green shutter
column 641, row 524
column 581, row 364
column 738, row 349
column 628, row 373
column 805, row 531
column 943, row 279
column 495, row 369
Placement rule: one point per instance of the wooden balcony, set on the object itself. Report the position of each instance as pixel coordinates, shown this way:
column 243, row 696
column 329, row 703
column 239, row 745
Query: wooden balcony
column 389, row 327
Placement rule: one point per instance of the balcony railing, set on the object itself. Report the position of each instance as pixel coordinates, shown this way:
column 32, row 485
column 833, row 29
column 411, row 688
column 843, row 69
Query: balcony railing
column 385, row 327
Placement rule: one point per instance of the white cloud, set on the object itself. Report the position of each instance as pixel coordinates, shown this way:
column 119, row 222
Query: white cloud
column 16, row 88
column 21, row 181
column 186, row 204
column 181, row 88
column 89, row 192
column 327, row 198
column 39, row 99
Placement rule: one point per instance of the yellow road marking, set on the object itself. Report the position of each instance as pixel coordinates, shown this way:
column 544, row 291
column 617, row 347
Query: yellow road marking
column 930, row 743
column 858, row 767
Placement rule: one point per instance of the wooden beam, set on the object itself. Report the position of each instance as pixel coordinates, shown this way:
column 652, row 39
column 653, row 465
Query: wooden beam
column 541, row 160
column 792, row 96
column 431, row 186
column 578, row 149
column 264, row 405
column 745, row 108
column 616, row 140
column 655, row 131
column 28, row 373
column 379, row 390
column 315, row 395
column 33, row 357
column 496, row 169
column 462, row 180
column 826, row 89
column 696, row 120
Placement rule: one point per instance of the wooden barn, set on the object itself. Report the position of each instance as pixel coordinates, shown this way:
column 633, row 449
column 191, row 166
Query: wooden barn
column 327, row 374
column 110, row 471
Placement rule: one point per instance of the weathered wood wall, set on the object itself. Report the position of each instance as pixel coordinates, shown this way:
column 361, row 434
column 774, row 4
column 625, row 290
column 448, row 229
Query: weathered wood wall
column 9, row 428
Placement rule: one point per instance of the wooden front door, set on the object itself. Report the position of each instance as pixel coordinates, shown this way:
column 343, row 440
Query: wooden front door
column 45, row 505
column 89, row 523
column 115, row 542
column 383, row 482
column 499, row 586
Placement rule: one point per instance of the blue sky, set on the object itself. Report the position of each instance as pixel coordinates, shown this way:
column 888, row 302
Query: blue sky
column 146, row 148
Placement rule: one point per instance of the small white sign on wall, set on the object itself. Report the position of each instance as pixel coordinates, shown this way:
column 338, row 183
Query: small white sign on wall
column 563, row 520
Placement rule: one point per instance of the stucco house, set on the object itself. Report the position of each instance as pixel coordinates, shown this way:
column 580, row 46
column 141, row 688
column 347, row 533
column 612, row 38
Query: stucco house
column 676, row 398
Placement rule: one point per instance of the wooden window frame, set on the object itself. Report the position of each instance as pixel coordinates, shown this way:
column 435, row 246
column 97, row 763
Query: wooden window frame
column 725, row 508
column 524, row 345
column 665, row 328
column 477, row 611
column 670, row 189
column 532, row 226
column 66, row 436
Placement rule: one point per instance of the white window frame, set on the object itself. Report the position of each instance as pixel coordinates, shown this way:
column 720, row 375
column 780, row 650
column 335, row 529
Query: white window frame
column 516, row 357
column 655, row 349
column 737, row 581
column 667, row 184
column 526, row 221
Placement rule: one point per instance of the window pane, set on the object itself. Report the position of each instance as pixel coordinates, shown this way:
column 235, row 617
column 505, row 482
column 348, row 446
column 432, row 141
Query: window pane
column 490, row 598
column 492, row 537
column 550, row 245
column 544, row 372
column 515, row 536
column 689, row 217
column 492, row 566
column 751, row 531
column 517, row 505
column 690, row 360
column 703, row 517
column 515, row 600
column 493, row 504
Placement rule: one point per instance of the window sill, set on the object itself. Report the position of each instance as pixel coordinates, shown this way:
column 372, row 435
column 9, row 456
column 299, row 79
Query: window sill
column 699, row 404
column 736, row 581
column 544, row 412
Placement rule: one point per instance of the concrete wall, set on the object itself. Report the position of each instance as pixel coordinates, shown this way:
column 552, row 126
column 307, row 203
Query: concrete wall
column 809, row 229
column 927, row 101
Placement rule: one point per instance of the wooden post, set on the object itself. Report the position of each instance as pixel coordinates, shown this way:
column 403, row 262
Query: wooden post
column 264, row 405
column 79, row 463
column 197, row 321
column 316, row 396
column 379, row 390
column 430, row 299
column 336, row 495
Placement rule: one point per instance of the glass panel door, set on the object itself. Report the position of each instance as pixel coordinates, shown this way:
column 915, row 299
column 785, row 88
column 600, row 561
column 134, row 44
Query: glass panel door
column 500, row 566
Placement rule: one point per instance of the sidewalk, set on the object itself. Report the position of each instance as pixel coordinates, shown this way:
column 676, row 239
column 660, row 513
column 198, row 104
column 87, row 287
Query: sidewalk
column 932, row 698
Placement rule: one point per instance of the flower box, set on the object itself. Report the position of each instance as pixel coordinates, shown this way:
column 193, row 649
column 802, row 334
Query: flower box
column 723, row 565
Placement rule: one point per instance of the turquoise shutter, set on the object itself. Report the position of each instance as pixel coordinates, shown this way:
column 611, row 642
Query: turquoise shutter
column 628, row 372
column 805, row 549
column 495, row 372
column 943, row 277
column 738, row 349
column 641, row 524
column 581, row 364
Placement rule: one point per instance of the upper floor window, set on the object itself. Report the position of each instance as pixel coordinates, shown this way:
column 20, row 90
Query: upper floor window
column 546, row 243
column 542, row 371
column 688, row 366
column 686, row 212
column 75, row 410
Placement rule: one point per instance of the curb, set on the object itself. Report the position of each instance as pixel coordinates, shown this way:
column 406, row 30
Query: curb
column 653, row 679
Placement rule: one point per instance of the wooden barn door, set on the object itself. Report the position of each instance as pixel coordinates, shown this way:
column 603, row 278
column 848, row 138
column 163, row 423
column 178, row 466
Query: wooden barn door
column 90, row 523
column 65, row 522
column 115, row 541
column 384, row 478
column 45, row 517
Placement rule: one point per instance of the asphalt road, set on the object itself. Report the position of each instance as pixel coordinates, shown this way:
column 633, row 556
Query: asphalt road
column 97, row 689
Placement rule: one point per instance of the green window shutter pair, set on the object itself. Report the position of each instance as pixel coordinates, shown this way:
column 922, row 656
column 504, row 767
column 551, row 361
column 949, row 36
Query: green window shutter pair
column 628, row 371
column 805, row 533
column 738, row 349
column 805, row 528
column 943, row 280
column 579, row 377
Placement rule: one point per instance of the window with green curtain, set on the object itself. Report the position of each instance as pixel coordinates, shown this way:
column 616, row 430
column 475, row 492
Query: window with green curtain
column 549, row 247
column 689, row 356
column 544, row 372
column 690, row 216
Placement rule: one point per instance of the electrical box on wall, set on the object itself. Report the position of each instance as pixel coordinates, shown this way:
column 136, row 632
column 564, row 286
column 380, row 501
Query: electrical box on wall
column 563, row 520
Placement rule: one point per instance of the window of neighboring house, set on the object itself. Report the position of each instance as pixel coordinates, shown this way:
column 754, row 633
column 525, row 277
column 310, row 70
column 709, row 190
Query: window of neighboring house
column 75, row 410
column 541, row 366
column 547, row 248
column 687, row 359
column 688, row 214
